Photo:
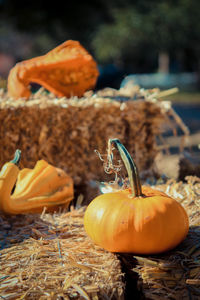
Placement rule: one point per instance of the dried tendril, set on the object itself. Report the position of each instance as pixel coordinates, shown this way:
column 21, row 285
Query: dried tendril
column 112, row 168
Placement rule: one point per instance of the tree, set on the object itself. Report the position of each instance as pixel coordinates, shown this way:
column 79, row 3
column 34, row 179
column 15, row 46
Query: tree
column 133, row 34
column 155, row 28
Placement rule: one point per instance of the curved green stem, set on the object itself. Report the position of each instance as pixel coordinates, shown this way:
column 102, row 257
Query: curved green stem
column 17, row 157
column 131, row 167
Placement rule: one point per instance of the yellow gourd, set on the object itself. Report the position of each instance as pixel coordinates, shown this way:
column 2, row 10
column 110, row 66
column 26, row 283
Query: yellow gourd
column 42, row 186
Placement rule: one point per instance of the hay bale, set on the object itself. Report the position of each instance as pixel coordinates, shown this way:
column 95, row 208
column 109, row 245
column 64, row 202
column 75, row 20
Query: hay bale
column 50, row 257
column 65, row 132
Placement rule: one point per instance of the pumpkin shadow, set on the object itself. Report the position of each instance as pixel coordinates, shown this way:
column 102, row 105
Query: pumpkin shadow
column 139, row 269
column 131, row 278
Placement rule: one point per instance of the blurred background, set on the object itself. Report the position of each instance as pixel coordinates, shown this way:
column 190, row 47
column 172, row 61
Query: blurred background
column 124, row 36
column 154, row 42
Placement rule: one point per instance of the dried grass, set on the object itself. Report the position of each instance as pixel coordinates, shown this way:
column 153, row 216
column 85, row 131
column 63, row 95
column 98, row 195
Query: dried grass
column 176, row 274
column 50, row 257
column 65, row 132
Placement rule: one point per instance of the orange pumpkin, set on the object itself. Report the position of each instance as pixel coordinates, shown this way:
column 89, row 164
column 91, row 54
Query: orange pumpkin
column 68, row 70
column 138, row 220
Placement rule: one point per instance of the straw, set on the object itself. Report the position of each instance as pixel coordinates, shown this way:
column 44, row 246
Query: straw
column 48, row 256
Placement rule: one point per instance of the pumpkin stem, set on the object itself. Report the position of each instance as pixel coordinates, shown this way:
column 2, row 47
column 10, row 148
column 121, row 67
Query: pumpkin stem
column 130, row 165
column 17, row 157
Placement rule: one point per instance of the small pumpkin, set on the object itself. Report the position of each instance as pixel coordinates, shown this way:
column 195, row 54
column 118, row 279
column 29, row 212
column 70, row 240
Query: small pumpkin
column 42, row 186
column 138, row 219
column 67, row 70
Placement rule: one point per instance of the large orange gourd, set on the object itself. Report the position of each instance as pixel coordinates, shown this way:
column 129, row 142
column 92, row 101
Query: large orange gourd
column 42, row 186
column 139, row 219
column 68, row 70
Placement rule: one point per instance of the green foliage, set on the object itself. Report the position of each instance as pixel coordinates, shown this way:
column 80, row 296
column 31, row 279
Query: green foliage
column 157, row 25
column 124, row 31
column 115, row 39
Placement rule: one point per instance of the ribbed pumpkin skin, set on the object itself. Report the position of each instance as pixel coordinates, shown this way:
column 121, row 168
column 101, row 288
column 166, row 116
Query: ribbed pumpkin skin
column 142, row 225
column 42, row 186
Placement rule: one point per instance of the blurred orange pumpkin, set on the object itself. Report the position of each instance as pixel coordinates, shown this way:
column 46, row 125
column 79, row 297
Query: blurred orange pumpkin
column 68, row 70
